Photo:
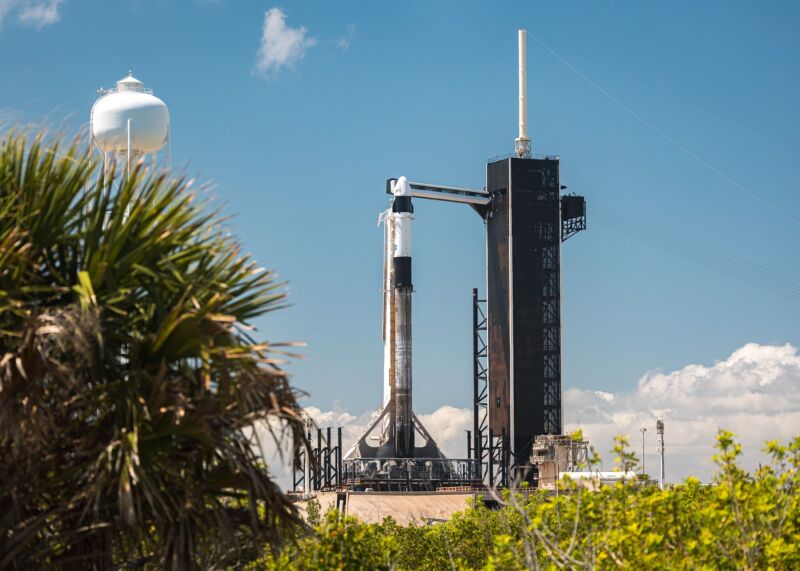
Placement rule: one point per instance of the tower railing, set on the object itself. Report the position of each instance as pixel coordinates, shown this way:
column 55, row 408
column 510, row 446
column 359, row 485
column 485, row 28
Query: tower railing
column 514, row 155
column 137, row 89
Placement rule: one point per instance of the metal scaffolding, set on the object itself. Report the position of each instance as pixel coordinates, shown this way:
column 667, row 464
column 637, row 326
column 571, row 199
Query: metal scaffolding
column 480, row 387
column 490, row 449
column 324, row 472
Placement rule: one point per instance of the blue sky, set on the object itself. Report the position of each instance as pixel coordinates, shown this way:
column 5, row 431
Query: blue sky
column 299, row 148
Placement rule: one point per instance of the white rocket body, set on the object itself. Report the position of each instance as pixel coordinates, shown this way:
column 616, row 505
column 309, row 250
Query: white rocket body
column 401, row 260
column 398, row 425
column 395, row 421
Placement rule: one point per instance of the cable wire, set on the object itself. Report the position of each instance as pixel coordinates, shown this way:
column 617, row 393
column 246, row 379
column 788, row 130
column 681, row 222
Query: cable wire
column 680, row 96
column 469, row 107
column 699, row 253
column 664, row 135
column 312, row 228
column 335, row 298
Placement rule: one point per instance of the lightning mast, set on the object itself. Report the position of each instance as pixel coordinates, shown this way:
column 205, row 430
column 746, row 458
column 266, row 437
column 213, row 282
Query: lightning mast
column 523, row 143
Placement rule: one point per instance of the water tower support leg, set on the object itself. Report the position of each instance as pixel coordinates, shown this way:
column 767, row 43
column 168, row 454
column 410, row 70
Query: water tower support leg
column 129, row 148
column 169, row 152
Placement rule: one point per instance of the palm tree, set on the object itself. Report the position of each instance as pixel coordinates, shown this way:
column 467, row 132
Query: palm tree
column 129, row 377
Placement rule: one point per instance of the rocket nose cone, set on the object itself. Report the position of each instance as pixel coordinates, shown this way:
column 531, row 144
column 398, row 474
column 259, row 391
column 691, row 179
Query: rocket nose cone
column 401, row 187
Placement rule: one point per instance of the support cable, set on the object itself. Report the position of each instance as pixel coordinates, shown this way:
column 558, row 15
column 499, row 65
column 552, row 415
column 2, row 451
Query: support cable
column 679, row 96
column 664, row 135
column 312, row 228
column 699, row 253
column 469, row 107
column 702, row 253
column 344, row 287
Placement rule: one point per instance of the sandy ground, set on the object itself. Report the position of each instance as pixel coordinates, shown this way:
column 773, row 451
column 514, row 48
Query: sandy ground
column 404, row 507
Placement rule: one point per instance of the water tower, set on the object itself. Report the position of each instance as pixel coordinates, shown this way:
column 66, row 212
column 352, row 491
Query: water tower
column 129, row 122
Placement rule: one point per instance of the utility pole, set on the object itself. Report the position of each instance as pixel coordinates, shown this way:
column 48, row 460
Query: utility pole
column 660, row 431
column 642, row 430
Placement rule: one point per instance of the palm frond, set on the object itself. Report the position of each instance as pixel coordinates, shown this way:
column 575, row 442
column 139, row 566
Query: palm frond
column 129, row 375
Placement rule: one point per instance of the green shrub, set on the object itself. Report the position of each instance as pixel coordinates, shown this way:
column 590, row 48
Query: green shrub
column 339, row 543
column 741, row 521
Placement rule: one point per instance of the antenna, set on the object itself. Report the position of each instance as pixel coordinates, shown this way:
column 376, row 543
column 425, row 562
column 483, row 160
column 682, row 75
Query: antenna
column 523, row 143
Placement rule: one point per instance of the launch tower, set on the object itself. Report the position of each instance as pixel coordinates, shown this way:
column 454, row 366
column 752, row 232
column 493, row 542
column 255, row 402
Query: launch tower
column 527, row 219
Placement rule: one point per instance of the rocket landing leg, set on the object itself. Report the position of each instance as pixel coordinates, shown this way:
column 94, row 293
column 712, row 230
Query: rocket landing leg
column 386, row 443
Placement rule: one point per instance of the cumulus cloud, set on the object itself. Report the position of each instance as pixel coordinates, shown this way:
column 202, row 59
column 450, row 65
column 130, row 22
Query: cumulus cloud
column 755, row 392
column 448, row 426
column 41, row 14
column 5, row 8
column 281, row 45
column 344, row 42
column 36, row 13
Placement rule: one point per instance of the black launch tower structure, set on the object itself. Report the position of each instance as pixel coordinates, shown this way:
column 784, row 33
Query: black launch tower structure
column 527, row 219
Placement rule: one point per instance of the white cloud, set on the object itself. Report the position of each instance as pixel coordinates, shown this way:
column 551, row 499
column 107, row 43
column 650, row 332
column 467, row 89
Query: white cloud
column 36, row 13
column 40, row 14
column 344, row 42
column 281, row 45
column 755, row 393
column 5, row 8
column 448, row 426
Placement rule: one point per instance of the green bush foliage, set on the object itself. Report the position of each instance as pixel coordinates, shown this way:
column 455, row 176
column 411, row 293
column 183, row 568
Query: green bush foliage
column 741, row 521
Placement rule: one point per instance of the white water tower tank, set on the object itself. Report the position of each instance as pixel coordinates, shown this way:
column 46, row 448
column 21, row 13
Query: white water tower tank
column 129, row 107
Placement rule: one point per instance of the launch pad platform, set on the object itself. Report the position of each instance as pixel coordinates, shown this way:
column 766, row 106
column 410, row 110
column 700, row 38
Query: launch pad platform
column 409, row 474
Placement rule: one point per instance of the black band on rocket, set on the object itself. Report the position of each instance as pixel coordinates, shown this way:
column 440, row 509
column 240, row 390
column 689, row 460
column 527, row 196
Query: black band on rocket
column 402, row 272
column 402, row 204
